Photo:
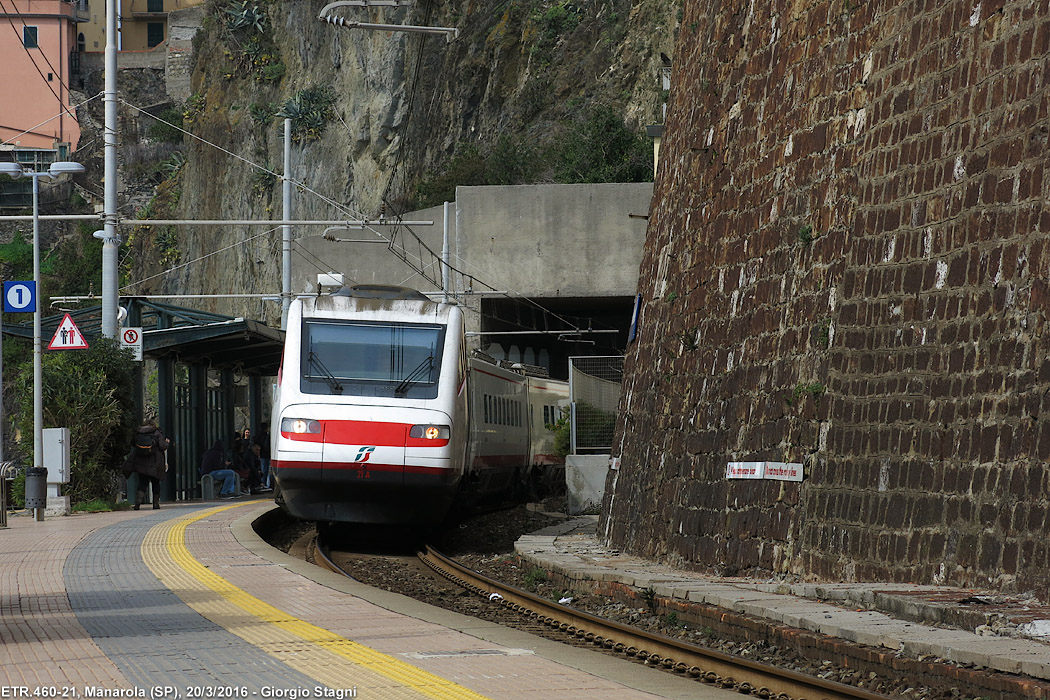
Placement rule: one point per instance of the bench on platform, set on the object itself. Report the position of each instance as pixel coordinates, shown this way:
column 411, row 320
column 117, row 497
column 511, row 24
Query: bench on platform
column 209, row 492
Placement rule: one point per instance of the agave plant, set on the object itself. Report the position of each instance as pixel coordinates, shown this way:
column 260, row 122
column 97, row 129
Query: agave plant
column 245, row 14
column 310, row 110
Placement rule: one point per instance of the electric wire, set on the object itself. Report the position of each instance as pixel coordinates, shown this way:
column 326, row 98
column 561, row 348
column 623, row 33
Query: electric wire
column 314, row 261
column 131, row 285
column 398, row 158
column 49, row 119
column 339, row 206
column 345, row 209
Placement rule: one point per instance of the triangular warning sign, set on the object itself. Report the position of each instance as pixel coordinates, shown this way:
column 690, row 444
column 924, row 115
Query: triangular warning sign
column 68, row 337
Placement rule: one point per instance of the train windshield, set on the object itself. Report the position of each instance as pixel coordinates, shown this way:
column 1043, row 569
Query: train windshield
column 400, row 360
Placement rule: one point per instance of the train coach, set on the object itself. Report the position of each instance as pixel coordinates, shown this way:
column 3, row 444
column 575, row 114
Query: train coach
column 381, row 417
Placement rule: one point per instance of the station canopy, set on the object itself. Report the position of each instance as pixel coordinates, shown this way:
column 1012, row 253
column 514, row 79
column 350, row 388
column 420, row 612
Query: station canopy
column 188, row 336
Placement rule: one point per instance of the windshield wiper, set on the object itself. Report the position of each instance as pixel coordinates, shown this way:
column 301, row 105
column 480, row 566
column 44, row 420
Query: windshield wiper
column 328, row 377
column 415, row 376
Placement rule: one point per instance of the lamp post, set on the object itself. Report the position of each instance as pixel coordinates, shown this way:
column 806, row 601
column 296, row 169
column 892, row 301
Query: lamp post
column 16, row 171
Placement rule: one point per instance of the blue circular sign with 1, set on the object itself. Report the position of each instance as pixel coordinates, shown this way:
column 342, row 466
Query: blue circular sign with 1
column 19, row 296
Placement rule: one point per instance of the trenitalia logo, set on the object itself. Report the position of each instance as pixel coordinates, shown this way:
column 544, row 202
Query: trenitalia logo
column 364, row 453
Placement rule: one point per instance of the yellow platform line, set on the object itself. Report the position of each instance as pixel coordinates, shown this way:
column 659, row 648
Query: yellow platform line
column 293, row 641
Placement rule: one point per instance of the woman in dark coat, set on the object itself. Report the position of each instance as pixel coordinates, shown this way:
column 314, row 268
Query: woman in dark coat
column 148, row 464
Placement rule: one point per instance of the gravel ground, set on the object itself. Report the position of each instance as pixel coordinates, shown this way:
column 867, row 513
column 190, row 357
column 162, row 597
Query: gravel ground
column 385, row 559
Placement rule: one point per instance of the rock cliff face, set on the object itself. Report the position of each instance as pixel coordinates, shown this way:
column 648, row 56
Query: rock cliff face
column 402, row 105
column 846, row 268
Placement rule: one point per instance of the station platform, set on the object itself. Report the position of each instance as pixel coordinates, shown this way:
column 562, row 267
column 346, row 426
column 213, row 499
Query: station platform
column 975, row 630
column 188, row 602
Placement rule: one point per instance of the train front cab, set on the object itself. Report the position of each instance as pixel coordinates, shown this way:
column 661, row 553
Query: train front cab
column 355, row 442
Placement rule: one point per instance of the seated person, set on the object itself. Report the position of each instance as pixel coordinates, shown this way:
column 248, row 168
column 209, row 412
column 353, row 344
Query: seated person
column 244, row 461
column 214, row 463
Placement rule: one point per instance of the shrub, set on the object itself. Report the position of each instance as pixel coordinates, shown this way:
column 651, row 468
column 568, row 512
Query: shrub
column 18, row 490
column 598, row 147
column 507, row 161
column 167, row 127
column 91, row 392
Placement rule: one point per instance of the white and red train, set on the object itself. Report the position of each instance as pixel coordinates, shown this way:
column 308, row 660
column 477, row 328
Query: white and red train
column 381, row 417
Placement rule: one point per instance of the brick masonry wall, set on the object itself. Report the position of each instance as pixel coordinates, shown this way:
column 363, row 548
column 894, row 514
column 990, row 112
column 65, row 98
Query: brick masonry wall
column 847, row 266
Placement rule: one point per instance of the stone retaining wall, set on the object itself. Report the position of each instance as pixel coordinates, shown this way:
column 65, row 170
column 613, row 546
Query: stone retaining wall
column 847, row 267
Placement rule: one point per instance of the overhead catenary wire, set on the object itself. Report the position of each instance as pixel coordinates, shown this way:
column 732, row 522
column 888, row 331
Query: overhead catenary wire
column 351, row 213
column 398, row 160
column 49, row 119
column 572, row 326
column 195, row 260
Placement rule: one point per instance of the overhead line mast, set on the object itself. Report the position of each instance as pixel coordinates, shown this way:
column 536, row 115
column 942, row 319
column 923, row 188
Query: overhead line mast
column 449, row 32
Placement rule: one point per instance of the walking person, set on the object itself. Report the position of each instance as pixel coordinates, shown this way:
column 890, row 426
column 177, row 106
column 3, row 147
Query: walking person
column 214, row 462
column 263, row 441
column 147, row 459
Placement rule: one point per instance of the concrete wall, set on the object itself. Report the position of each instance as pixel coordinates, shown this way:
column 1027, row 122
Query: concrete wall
column 532, row 240
column 847, row 267
column 554, row 240
column 585, row 482
column 182, row 27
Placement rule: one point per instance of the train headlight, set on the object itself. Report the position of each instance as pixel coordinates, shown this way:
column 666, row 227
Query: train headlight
column 430, row 432
column 300, row 426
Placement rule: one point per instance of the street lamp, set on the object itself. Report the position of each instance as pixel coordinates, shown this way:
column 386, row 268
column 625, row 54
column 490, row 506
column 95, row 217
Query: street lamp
column 16, row 171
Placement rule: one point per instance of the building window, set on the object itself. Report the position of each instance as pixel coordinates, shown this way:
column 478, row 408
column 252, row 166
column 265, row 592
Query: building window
column 29, row 38
column 154, row 33
column 154, row 5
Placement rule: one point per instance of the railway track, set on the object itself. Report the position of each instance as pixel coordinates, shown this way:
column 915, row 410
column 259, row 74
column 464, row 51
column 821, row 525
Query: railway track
column 705, row 665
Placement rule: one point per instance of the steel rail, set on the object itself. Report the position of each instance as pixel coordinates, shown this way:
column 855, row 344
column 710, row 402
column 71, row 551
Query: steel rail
column 708, row 665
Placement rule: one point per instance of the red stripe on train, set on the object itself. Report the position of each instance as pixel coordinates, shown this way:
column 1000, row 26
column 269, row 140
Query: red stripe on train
column 363, row 432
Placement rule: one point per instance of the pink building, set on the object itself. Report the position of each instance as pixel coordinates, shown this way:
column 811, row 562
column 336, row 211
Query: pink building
column 38, row 55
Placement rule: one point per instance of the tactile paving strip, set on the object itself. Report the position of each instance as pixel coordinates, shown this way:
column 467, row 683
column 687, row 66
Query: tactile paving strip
column 148, row 632
column 330, row 659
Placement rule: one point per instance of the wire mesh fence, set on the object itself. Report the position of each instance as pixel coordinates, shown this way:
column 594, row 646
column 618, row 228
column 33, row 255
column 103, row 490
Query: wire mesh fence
column 594, row 392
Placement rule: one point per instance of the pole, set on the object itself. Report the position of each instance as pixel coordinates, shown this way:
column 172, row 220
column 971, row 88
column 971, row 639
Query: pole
column 286, row 231
column 38, row 367
column 111, row 241
column 3, row 503
column 444, row 256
